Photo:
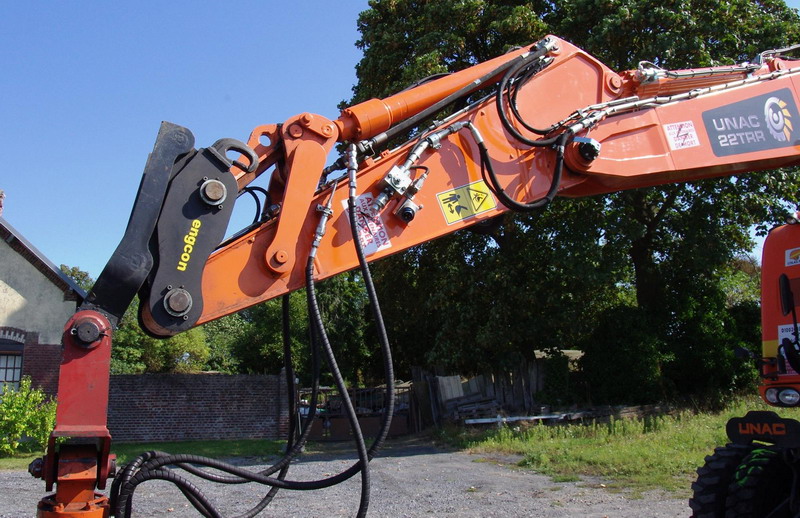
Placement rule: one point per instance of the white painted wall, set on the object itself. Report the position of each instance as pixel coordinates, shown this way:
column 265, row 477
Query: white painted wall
column 29, row 300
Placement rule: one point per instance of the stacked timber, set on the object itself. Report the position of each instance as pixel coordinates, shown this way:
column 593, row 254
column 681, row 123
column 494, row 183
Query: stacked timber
column 471, row 406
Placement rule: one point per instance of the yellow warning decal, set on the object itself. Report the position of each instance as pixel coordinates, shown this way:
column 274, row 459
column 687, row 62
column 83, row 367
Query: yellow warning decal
column 466, row 201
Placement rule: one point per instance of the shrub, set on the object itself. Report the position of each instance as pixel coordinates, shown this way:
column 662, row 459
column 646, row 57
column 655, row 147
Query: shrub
column 27, row 417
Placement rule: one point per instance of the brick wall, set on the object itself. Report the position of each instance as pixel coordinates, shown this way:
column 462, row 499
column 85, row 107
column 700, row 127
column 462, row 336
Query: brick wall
column 42, row 363
column 173, row 407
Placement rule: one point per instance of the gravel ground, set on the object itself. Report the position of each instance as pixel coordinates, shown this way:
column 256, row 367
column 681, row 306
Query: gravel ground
column 412, row 478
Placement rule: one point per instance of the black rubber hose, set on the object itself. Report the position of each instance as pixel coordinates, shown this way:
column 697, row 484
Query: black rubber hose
column 488, row 173
column 156, row 459
column 185, row 461
column 292, row 449
column 383, row 338
column 243, row 475
column 153, row 463
column 198, row 500
column 499, row 97
column 131, row 471
column 519, row 81
column 267, row 200
column 183, row 458
column 315, row 317
column 252, row 193
column 291, row 399
column 123, row 478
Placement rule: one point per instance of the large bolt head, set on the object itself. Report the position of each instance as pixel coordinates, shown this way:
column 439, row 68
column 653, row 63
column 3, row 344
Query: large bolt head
column 178, row 302
column 86, row 331
column 213, row 192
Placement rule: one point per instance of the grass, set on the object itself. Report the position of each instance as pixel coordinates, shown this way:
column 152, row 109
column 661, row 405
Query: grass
column 126, row 452
column 18, row 461
column 257, row 448
column 638, row 454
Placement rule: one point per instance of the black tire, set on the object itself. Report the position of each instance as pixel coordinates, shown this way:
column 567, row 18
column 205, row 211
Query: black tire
column 710, row 490
column 761, row 486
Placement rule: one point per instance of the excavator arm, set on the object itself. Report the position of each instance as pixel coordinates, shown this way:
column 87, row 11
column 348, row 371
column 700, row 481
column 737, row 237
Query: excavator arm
column 542, row 121
column 618, row 131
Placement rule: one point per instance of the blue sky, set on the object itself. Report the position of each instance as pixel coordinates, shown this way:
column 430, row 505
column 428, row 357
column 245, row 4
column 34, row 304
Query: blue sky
column 85, row 86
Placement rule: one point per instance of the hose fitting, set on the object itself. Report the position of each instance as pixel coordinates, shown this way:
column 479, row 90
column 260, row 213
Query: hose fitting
column 326, row 211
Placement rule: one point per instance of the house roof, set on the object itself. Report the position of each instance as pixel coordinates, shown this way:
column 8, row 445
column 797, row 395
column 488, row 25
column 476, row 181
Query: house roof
column 26, row 249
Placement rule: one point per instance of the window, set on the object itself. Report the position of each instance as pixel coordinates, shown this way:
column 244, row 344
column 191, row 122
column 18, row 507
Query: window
column 10, row 370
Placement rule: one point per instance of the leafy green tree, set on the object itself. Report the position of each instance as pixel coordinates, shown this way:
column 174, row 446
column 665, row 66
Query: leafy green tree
column 741, row 281
column 259, row 346
column 404, row 41
column 674, row 33
column 135, row 352
column 437, row 298
column 342, row 299
column 661, row 250
column 624, row 343
column 81, row 278
column 221, row 337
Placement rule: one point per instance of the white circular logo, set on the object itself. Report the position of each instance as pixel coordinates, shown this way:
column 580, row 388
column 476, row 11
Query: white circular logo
column 779, row 120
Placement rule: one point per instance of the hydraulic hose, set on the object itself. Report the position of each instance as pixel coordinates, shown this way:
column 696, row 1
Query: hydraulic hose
column 518, row 82
column 288, row 368
column 499, row 97
column 315, row 317
column 145, row 461
column 489, row 175
column 383, row 338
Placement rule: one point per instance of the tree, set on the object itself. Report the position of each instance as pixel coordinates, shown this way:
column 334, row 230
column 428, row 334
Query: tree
column 660, row 250
column 221, row 337
column 342, row 300
column 441, row 307
column 135, row 352
column 741, row 281
column 81, row 278
column 259, row 346
column 679, row 237
column 405, row 41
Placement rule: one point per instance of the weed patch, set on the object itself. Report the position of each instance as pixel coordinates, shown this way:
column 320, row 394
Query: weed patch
column 655, row 452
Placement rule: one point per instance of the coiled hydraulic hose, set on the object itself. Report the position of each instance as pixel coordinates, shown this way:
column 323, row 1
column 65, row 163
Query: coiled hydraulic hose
column 318, row 327
column 383, row 338
column 518, row 80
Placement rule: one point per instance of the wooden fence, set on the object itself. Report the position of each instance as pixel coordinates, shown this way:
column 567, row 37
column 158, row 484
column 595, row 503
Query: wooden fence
column 507, row 391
